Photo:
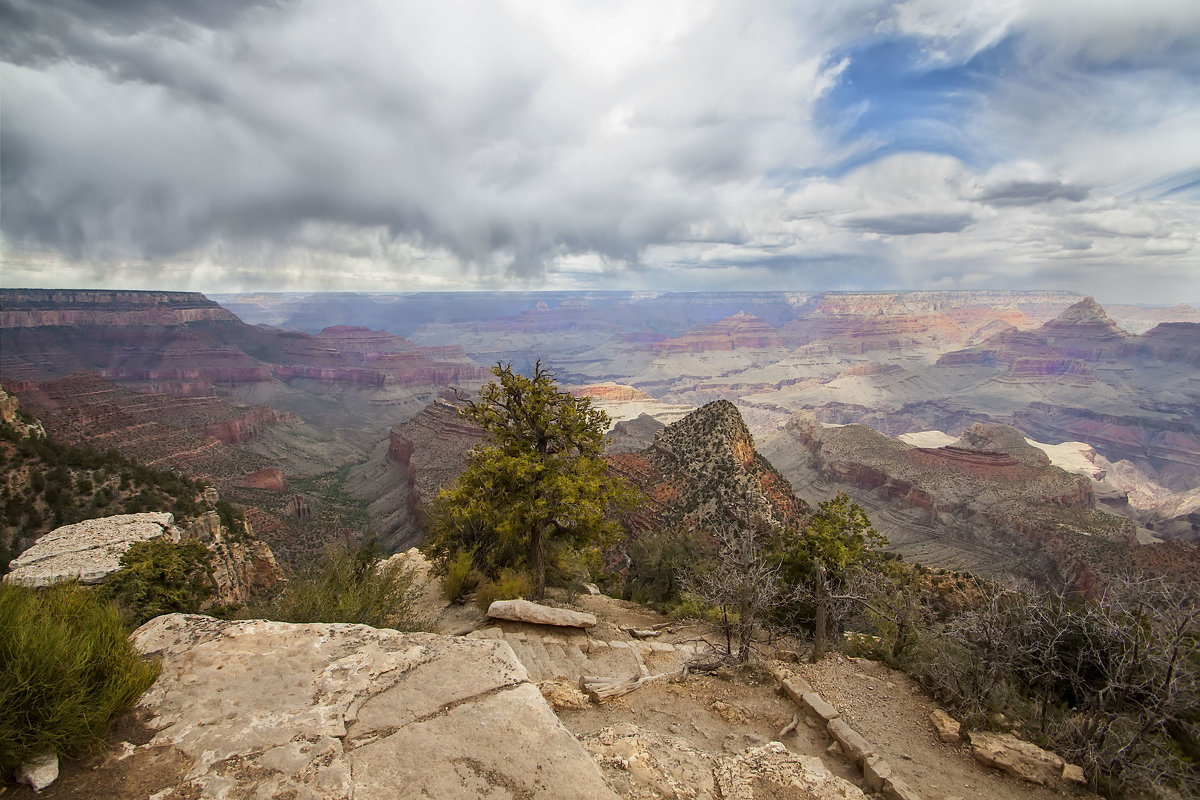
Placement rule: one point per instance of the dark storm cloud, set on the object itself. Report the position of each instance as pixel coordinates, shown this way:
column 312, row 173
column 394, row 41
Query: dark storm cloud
column 1030, row 193
column 144, row 131
column 911, row 224
column 32, row 32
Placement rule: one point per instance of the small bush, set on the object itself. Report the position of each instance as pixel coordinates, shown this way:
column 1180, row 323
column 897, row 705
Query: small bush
column 509, row 585
column 460, row 578
column 689, row 605
column 161, row 577
column 68, row 671
column 349, row 587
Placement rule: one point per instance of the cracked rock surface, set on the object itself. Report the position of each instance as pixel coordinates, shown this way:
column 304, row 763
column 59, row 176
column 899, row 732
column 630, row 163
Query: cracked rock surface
column 271, row 709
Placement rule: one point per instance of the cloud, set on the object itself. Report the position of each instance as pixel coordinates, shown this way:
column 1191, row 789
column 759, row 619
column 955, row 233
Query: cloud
column 1028, row 193
column 911, row 224
column 318, row 144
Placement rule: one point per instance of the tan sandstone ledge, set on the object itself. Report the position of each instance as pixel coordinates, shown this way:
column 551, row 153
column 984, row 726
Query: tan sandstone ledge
column 271, row 709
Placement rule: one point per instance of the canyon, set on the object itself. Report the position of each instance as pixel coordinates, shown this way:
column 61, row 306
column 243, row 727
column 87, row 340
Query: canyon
column 322, row 414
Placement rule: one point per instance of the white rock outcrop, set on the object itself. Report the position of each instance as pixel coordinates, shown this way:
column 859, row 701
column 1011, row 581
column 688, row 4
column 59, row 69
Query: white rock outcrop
column 271, row 709
column 538, row 614
column 39, row 772
column 87, row 551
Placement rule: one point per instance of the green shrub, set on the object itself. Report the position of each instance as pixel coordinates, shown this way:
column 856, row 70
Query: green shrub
column 460, row 578
column 161, row 577
column 348, row 587
column 689, row 605
column 68, row 671
column 508, row 585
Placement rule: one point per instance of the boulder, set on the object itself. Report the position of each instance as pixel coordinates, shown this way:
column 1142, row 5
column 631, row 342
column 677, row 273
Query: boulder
column 1017, row 757
column 270, row 709
column 772, row 772
column 945, row 726
column 817, row 707
column 856, row 748
column 537, row 614
column 796, row 687
column 1073, row 773
column 39, row 772
column 876, row 772
column 88, row 551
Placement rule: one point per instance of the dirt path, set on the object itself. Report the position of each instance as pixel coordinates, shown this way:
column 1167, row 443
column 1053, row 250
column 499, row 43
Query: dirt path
column 678, row 729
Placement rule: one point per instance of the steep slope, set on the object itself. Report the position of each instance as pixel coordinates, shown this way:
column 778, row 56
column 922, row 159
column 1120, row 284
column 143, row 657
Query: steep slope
column 420, row 457
column 706, row 464
column 62, row 509
column 990, row 503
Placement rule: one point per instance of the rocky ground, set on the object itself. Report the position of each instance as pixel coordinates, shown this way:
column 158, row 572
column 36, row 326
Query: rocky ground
column 666, row 738
column 717, row 736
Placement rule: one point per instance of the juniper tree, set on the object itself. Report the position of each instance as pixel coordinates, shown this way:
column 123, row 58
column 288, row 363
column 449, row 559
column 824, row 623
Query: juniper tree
column 537, row 485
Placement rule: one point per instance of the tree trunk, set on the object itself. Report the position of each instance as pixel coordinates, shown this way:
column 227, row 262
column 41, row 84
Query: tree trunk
column 537, row 562
column 821, row 623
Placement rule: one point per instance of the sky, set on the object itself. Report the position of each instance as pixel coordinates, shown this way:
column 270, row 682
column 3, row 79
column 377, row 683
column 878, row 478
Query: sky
column 383, row 145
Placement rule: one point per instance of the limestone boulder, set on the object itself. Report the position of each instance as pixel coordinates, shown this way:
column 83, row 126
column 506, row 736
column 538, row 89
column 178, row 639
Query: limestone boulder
column 947, row 728
column 87, row 551
column 538, row 614
column 270, row 709
column 1017, row 757
column 39, row 772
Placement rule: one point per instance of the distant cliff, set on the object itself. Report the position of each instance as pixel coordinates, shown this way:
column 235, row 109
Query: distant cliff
column 28, row 308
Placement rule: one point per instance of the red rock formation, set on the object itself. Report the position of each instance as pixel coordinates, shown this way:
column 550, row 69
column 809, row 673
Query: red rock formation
column 244, row 428
column 611, row 392
column 707, row 460
column 741, row 331
column 298, row 507
column 1065, row 346
column 359, row 377
column 271, row 480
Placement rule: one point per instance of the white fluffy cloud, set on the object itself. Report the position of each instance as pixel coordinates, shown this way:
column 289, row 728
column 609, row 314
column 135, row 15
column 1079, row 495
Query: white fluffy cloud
column 683, row 144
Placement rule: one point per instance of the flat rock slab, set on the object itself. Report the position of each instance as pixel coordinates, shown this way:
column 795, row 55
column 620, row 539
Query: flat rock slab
column 271, row 709
column 87, row 551
column 538, row 614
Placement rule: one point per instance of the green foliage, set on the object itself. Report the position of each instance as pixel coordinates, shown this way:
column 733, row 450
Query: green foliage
column 689, row 605
column 68, row 671
column 658, row 561
column 348, row 587
column 509, row 584
column 840, row 536
column 541, row 483
column 49, row 484
column 461, row 577
column 161, row 577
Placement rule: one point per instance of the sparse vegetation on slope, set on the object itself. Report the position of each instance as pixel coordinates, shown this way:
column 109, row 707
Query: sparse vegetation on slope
column 349, row 586
column 161, row 577
column 47, row 484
